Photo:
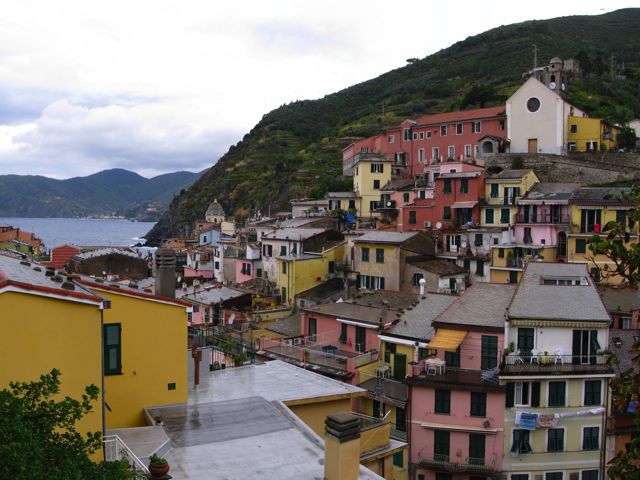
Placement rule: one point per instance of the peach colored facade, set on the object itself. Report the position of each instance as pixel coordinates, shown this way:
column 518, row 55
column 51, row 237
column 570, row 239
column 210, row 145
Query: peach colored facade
column 246, row 269
column 328, row 330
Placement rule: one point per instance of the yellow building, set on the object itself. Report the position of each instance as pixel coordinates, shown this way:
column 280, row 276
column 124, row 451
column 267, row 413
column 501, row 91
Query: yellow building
column 47, row 324
column 501, row 192
column 369, row 175
column 145, row 341
column 591, row 134
column 298, row 273
column 592, row 208
column 508, row 262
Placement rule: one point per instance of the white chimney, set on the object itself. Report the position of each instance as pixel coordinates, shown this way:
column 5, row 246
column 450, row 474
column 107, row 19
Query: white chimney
column 422, row 282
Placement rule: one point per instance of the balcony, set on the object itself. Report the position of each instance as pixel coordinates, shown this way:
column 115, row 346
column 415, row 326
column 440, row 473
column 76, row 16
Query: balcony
column 543, row 218
column 456, row 464
column 503, row 200
column 517, row 262
column 390, row 389
column 553, row 364
column 316, row 354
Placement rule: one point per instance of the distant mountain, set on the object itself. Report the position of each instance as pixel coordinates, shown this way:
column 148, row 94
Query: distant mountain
column 110, row 192
column 295, row 150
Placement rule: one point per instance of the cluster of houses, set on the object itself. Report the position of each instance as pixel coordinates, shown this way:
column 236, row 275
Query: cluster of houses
column 448, row 320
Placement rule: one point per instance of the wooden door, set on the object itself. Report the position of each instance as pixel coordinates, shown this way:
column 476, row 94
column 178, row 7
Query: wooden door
column 533, row 145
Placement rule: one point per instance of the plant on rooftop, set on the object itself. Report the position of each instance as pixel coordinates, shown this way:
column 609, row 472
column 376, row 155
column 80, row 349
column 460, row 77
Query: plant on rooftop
column 158, row 466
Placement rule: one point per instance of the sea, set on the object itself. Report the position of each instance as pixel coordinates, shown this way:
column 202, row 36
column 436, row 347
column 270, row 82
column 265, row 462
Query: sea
column 82, row 231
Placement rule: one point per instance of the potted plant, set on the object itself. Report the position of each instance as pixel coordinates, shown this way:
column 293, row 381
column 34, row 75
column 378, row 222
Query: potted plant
column 512, row 347
column 158, row 466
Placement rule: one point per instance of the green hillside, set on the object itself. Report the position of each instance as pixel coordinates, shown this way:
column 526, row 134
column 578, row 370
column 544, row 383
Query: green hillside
column 109, row 192
column 295, row 149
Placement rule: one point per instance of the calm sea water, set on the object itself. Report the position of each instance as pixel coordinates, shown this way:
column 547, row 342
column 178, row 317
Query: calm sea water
column 81, row 231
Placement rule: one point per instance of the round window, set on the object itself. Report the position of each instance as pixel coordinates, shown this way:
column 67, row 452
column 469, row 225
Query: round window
column 533, row 104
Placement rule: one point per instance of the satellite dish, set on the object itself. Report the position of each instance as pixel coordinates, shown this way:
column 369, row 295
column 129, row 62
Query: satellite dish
column 552, row 85
column 389, row 203
column 438, row 225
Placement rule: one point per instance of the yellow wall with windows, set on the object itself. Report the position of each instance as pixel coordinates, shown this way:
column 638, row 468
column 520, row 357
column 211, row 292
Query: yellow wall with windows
column 38, row 334
column 525, row 183
column 502, row 276
column 303, row 274
column 583, row 129
column 497, row 216
column 154, row 354
column 363, row 180
column 389, row 269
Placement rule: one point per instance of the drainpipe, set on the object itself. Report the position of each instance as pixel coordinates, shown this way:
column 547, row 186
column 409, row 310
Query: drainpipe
column 603, row 450
column 103, row 406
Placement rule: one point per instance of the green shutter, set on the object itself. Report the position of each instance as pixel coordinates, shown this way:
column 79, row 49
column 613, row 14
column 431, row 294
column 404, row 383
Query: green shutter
column 112, row 333
column 510, row 395
column 399, row 366
column 535, row 394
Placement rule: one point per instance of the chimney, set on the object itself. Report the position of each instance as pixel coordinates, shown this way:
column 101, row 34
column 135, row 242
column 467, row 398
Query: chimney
column 422, row 282
column 341, row 447
column 166, row 273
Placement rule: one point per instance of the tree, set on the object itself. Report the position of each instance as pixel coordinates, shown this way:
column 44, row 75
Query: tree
column 38, row 436
column 625, row 387
column 627, row 138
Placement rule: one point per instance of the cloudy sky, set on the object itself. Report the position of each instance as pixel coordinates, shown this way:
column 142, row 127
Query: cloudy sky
column 158, row 86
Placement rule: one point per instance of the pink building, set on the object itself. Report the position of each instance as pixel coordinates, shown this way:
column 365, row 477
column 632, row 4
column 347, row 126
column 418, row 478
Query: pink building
column 249, row 263
column 371, row 145
column 456, row 406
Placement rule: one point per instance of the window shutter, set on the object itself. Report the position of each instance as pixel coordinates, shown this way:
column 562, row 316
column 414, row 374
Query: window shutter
column 510, row 394
column 535, row 394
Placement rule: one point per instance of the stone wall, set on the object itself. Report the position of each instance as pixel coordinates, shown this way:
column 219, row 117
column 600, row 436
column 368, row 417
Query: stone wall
column 587, row 168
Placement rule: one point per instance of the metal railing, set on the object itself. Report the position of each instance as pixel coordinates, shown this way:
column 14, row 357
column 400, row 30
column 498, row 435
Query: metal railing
column 543, row 217
column 551, row 362
column 115, row 450
column 503, row 200
column 456, row 464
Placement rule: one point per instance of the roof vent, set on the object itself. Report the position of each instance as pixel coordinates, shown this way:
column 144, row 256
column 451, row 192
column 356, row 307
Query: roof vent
column 98, row 280
column 56, row 278
column 148, row 290
column 25, row 263
column 51, row 271
column 68, row 286
column 115, row 285
column 37, row 269
column 133, row 285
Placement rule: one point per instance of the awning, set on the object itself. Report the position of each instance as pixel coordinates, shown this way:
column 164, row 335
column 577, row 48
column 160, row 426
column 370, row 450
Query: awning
column 464, row 204
column 448, row 340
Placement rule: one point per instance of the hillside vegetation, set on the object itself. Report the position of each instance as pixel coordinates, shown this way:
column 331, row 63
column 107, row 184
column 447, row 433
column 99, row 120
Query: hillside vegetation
column 297, row 147
column 110, row 192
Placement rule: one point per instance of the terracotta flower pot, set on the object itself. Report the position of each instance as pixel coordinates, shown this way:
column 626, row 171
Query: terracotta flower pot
column 158, row 470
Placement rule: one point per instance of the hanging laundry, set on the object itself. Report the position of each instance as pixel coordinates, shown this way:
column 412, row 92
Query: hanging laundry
column 528, row 421
column 547, row 420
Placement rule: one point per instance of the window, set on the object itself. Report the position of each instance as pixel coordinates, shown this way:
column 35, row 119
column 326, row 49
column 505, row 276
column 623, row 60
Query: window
column 283, row 250
column 480, row 271
column 376, row 412
column 553, row 476
column 478, row 404
column 452, row 358
column 416, row 278
column 475, row 127
column 361, row 339
column 373, row 205
column 446, row 213
column 459, row 129
column 379, row 255
column 467, row 151
column 489, row 354
column 412, row 217
column 522, row 394
column 574, row 128
column 589, row 475
column 581, row 245
column 525, row 339
column 464, row 185
column 495, row 190
column 621, row 217
column 555, row 440
column 447, row 186
column 398, row 459
column 501, row 253
column 391, row 138
column 365, row 254
column 476, row 448
column 332, row 266
column 533, row 104
column 377, row 168
column 441, row 476
column 443, row 130
column 421, row 135
column 589, row 219
column 520, row 442
column 405, row 197
column 557, row 394
column 401, row 421
column 505, row 215
column 443, row 401
column 571, row 146
column 441, row 445
column 466, row 263
column 284, row 267
column 592, row 392
column 591, row 438
column 478, row 240
column 428, row 133
column 407, row 134
column 488, row 216
column 216, row 264
column 451, row 151
column 624, row 323
column 435, row 153
column 267, row 250
column 371, row 282
column 376, row 184
column 519, row 476
column 421, row 155
column 112, row 333
column 343, row 333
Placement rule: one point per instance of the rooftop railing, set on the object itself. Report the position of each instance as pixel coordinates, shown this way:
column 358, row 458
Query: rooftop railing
column 456, row 464
column 554, row 363
column 543, row 217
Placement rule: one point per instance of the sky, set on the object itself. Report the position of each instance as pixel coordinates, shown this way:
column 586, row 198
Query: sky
column 160, row 86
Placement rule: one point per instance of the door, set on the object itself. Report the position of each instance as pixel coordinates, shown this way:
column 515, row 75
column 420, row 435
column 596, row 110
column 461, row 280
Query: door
column 399, row 366
column 585, row 345
column 533, row 145
column 361, row 339
column 313, row 329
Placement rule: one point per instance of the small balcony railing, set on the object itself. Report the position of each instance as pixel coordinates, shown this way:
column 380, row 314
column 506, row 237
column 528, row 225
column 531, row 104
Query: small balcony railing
column 456, row 464
column 517, row 262
column 554, row 363
column 116, row 450
column 543, row 217
column 503, row 200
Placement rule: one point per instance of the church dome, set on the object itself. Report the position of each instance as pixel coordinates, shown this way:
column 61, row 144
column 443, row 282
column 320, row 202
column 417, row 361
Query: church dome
column 215, row 210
